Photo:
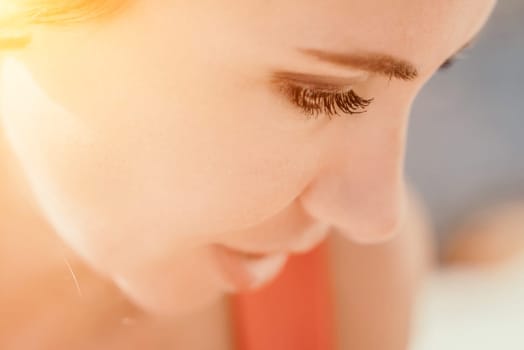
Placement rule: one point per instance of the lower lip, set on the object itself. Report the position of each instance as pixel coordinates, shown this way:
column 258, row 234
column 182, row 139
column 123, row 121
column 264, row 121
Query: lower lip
column 243, row 272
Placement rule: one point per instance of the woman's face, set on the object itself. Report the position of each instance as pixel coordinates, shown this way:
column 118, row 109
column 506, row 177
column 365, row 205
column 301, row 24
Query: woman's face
column 157, row 137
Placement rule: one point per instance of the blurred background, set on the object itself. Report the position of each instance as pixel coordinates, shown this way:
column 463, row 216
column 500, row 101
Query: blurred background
column 466, row 151
column 467, row 128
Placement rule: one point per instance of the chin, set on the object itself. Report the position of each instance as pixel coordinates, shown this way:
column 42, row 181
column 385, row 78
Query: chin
column 163, row 300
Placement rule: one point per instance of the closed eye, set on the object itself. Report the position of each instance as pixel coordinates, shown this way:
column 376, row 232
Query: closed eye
column 320, row 95
column 314, row 102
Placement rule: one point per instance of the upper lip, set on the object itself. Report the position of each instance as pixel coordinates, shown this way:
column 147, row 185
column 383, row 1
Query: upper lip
column 251, row 253
column 297, row 246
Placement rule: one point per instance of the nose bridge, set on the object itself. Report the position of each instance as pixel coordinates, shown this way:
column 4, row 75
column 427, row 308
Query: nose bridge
column 361, row 190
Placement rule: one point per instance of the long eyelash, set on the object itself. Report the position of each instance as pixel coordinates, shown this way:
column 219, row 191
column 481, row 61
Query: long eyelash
column 452, row 60
column 314, row 102
column 447, row 64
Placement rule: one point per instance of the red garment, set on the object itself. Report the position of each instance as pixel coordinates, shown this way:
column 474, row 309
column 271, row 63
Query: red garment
column 294, row 312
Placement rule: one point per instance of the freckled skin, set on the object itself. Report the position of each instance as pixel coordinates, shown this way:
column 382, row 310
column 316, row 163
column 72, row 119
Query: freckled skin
column 148, row 137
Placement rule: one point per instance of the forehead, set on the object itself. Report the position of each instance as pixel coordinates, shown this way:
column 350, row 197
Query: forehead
column 397, row 27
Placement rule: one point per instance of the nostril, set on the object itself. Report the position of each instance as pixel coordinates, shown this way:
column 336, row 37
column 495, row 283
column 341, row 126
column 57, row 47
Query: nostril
column 365, row 206
column 374, row 225
column 387, row 228
column 360, row 221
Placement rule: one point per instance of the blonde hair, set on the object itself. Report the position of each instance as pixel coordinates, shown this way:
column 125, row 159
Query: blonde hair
column 17, row 16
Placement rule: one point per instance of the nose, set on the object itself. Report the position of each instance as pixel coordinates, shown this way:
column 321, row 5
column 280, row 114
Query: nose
column 361, row 190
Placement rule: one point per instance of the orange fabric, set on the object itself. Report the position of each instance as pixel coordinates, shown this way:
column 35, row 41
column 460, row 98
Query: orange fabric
column 294, row 312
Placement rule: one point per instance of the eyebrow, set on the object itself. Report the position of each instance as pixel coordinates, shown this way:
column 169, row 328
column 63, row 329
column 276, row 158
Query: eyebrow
column 383, row 64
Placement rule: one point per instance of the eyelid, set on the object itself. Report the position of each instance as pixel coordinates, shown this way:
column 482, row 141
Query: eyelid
column 318, row 82
column 314, row 101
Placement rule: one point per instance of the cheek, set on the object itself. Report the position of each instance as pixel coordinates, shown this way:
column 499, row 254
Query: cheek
column 134, row 187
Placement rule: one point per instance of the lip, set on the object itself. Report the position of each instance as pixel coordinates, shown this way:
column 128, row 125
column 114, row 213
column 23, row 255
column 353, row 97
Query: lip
column 310, row 238
column 244, row 271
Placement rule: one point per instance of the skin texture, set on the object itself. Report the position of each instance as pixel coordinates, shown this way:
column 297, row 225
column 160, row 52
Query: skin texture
column 152, row 135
